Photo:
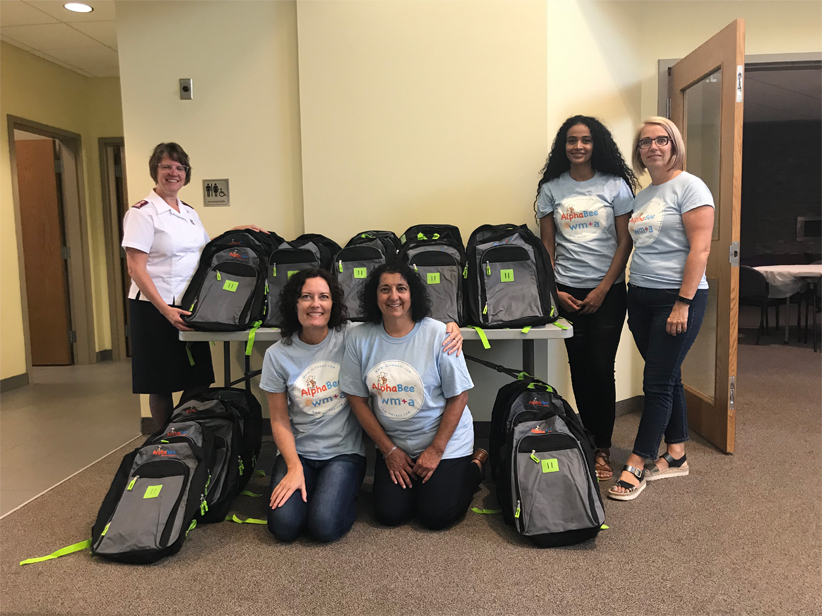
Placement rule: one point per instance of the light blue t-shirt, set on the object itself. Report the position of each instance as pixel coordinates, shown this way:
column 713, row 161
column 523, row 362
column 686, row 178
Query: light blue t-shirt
column 321, row 418
column 409, row 380
column 661, row 246
column 586, row 237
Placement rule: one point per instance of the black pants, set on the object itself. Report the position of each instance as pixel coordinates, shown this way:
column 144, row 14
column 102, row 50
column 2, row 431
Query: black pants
column 438, row 503
column 591, row 355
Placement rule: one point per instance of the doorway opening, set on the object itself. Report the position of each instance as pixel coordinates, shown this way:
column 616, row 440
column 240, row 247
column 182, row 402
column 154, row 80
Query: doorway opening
column 115, row 191
column 55, row 281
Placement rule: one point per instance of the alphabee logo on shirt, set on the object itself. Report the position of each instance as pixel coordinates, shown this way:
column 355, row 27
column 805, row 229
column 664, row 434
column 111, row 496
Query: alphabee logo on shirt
column 646, row 223
column 396, row 389
column 581, row 217
column 318, row 389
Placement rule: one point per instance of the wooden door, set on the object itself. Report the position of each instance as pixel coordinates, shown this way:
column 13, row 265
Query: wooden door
column 706, row 104
column 43, row 251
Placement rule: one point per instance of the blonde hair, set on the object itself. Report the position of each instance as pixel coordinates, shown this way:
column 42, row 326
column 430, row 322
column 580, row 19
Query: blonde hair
column 677, row 144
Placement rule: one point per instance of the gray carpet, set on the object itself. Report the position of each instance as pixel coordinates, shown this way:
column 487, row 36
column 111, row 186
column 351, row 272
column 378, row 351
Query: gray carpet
column 740, row 535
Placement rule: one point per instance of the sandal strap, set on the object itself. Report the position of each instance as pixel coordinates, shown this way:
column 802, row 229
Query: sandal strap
column 636, row 472
column 673, row 462
column 624, row 484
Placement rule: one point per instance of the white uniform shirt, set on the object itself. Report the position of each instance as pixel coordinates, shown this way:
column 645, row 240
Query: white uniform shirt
column 172, row 240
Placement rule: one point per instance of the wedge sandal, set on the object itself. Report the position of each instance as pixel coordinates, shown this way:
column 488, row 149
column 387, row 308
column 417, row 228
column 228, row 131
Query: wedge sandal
column 676, row 468
column 632, row 490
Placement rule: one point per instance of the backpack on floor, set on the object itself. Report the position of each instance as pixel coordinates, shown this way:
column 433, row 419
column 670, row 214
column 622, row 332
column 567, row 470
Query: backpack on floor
column 157, row 493
column 432, row 232
column 227, row 291
column 235, row 418
column 439, row 259
column 542, row 460
column 384, row 241
column 510, row 281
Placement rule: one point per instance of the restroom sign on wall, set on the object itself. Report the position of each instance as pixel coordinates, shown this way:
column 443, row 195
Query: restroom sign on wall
column 215, row 193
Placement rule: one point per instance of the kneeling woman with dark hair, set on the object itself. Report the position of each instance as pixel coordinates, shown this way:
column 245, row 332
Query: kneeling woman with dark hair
column 322, row 462
column 420, row 421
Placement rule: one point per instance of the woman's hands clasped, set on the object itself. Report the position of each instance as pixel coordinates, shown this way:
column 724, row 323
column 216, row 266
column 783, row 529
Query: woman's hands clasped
column 294, row 479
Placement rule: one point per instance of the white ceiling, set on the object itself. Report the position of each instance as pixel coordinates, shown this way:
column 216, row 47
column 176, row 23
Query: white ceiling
column 781, row 94
column 83, row 42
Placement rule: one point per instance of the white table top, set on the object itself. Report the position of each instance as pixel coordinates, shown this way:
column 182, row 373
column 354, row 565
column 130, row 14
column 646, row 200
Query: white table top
column 272, row 334
column 785, row 280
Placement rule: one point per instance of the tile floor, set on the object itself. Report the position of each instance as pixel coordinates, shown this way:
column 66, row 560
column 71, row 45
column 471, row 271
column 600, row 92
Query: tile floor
column 67, row 418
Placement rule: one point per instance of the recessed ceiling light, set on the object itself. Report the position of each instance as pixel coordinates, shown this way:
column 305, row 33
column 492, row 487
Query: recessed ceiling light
column 78, row 7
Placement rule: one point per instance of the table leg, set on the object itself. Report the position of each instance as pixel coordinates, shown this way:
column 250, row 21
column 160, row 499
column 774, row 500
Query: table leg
column 787, row 316
column 226, row 364
column 528, row 356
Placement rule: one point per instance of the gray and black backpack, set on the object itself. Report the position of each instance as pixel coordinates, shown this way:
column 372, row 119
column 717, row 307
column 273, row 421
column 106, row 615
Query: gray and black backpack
column 436, row 253
column 227, row 292
column 156, row 496
column 362, row 254
column 510, row 280
column 542, row 460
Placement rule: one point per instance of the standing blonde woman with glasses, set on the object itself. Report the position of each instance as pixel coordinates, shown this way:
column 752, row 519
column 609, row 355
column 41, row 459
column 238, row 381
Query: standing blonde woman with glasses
column 671, row 229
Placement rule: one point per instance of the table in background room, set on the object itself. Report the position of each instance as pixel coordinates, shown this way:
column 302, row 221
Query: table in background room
column 787, row 280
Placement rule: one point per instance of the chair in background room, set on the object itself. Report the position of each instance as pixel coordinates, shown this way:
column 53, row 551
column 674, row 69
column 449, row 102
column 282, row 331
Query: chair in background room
column 753, row 291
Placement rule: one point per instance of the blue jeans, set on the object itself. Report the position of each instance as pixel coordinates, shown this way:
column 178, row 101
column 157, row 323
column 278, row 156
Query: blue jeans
column 331, row 486
column 665, row 412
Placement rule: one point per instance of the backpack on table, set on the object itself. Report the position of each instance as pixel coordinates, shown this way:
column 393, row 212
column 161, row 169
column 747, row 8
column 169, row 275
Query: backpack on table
column 432, row 232
column 384, row 241
column 156, row 496
column 326, row 246
column 542, row 460
column 226, row 292
column 439, row 259
column 354, row 263
column 510, row 280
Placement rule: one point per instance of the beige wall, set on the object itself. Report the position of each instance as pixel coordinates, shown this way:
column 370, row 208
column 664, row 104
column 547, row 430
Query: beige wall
column 41, row 91
column 243, row 123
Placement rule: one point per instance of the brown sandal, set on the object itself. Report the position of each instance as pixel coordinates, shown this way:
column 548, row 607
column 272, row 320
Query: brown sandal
column 603, row 469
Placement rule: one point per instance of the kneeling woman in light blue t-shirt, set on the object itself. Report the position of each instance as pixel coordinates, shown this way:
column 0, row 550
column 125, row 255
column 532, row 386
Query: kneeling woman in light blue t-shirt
column 418, row 416
column 322, row 462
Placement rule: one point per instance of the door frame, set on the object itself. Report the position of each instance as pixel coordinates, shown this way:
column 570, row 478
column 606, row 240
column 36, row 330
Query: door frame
column 753, row 62
column 77, row 240
column 111, row 231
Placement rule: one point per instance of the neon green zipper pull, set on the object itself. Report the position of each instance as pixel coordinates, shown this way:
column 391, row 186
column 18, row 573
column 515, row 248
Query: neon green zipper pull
column 340, row 266
column 488, row 269
column 274, row 271
column 534, row 456
column 242, row 466
column 485, row 310
column 218, row 276
column 132, row 482
column 103, row 534
column 518, row 511
column 465, row 271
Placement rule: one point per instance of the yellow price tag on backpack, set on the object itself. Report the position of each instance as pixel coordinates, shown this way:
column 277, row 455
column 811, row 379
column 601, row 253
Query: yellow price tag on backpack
column 550, row 465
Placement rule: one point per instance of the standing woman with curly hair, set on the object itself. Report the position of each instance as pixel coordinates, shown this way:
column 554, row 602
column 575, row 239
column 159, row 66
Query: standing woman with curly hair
column 584, row 200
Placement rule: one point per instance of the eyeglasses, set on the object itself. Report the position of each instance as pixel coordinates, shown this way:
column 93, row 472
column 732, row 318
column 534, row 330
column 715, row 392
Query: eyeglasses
column 644, row 144
column 177, row 168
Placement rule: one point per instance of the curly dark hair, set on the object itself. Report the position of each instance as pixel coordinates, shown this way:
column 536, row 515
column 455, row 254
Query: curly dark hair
column 175, row 153
column 289, row 321
column 606, row 157
column 420, row 302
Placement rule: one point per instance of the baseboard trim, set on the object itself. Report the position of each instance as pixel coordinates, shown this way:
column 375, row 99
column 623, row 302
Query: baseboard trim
column 630, row 405
column 105, row 355
column 14, row 382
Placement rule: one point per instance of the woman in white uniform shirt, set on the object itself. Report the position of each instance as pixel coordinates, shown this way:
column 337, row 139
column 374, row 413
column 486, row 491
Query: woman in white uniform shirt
column 671, row 228
column 163, row 238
